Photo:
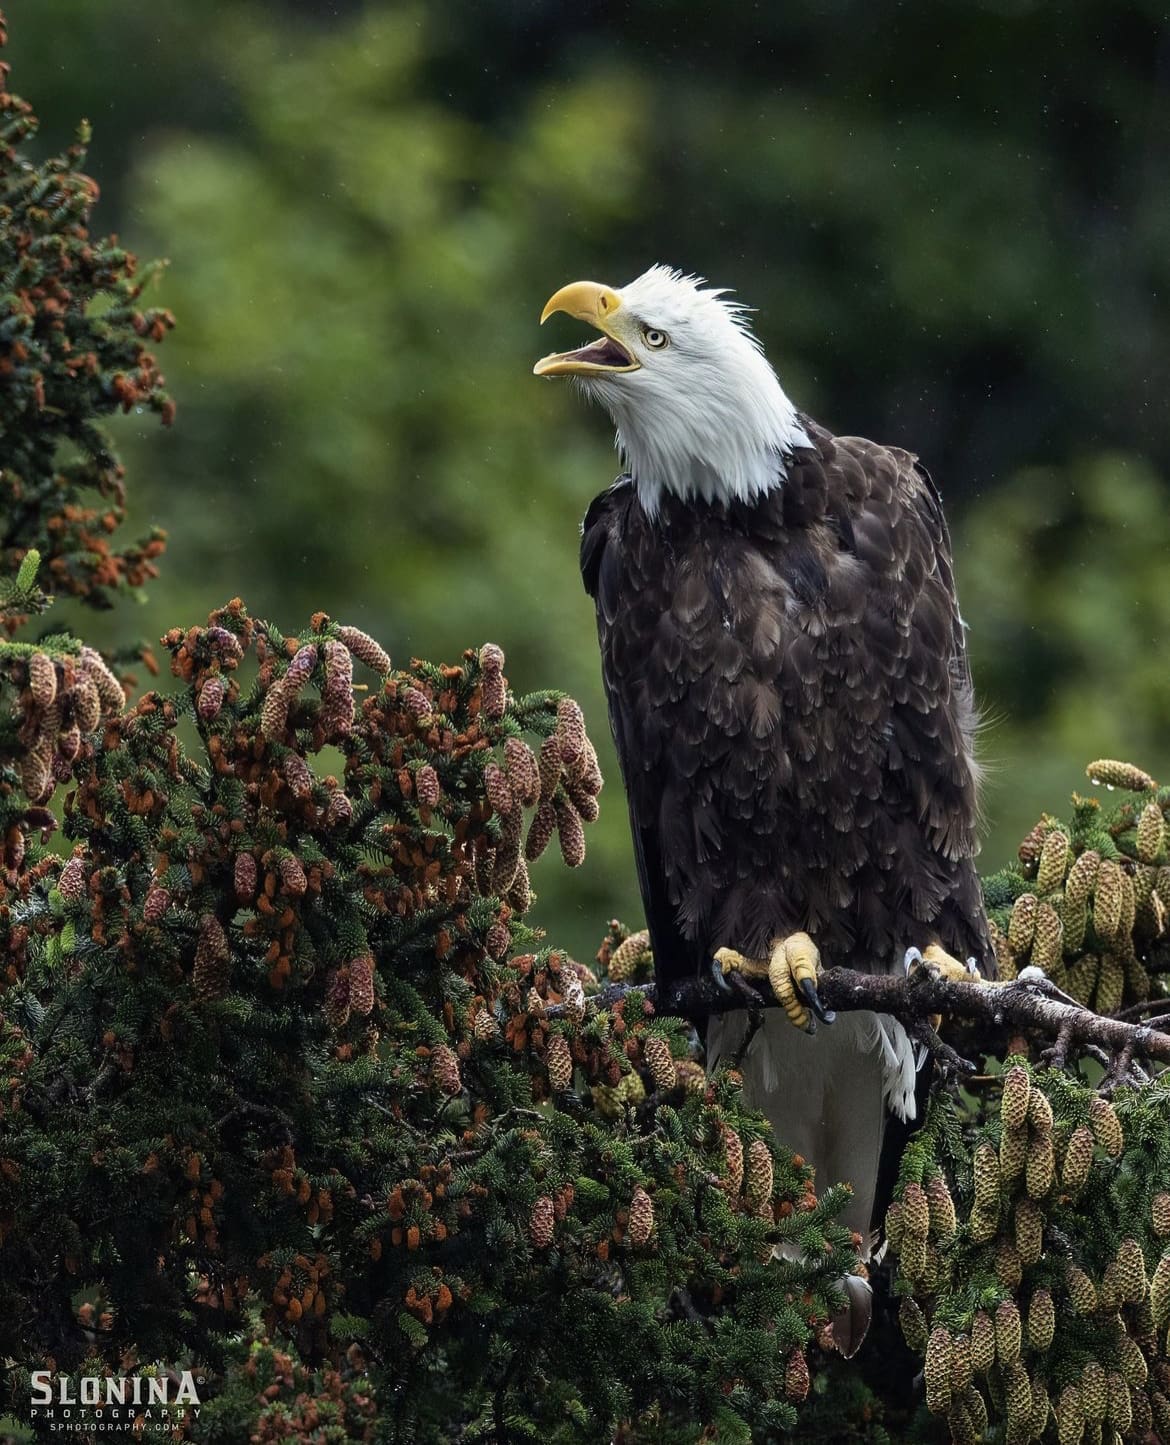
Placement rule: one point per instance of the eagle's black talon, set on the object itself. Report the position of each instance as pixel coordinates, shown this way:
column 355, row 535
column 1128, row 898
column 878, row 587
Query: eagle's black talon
column 808, row 991
column 719, row 977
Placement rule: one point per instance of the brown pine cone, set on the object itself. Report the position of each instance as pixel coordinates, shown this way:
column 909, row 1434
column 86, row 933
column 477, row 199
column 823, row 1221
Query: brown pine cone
column 641, row 1224
column 542, row 1222
column 445, row 1070
column 559, row 1062
column 361, row 984
column 660, row 1062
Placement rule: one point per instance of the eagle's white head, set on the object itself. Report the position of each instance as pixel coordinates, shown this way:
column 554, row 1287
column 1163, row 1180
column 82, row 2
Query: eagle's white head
column 699, row 412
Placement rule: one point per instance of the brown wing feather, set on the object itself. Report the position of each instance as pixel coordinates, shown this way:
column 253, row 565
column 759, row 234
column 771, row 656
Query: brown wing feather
column 792, row 707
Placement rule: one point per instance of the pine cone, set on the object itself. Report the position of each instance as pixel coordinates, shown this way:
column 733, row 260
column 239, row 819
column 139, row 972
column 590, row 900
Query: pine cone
column 1008, row 1268
column 549, row 767
column 938, row 1371
column 72, row 883
column 915, row 1210
column 660, row 1062
column 1013, row 1152
column 987, row 1180
column 158, row 900
column 961, row 1371
column 796, row 1378
column 445, row 1070
column 540, row 831
column 497, row 940
column 484, row 1026
column 733, row 1155
column 1160, row 1292
column 573, row 994
column 1054, row 862
column 1041, row 1320
column 1047, row 943
column 300, row 669
column 274, row 712
column 913, row 1323
column 1022, row 922
column 1017, row 1397
column 365, row 649
column 1070, row 1416
column 570, row 730
column 982, row 1343
column 426, row 786
column 212, row 959
column 1109, row 773
column 571, row 834
column 1132, row 1363
column 494, row 694
column 1074, row 920
column 42, row 679
column 1008, row 1332
column 912, row 1257
column 1029, row 1223
column 559, row 1062
column 338, row 810
column 86, row 704
column 499, row 794
column 491, row 658
column 336, row 1005
column 337, row 711
column 292, row 876
column 1094, row 1391
column 1040, row 1166
column 1120, row 1413
column 628, row 955
column 542, row 1222
column 1108, row 899
column 520, row 893
column 523, row 773
column 759, row 1173
column 976, row 1408
column 508, row 853
column 298, row 775
column 1131, row 1270
column 110, row 691
column 641, row 1223
column 211, row 696
column 1106, row 1126
column 1082, row 877
column 534, row 1003
column 943, row 1221
column 1161, row 1411
column 1082, row 1292
column 1110, row 984
column 361, row 984
column 1039, row 1112
column 1013, row 1108
column 983, row 1226
column 1151, row 833
column 1078, row 1159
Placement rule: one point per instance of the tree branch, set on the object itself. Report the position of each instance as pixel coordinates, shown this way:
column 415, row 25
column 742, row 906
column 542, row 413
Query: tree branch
column 1036, row 1005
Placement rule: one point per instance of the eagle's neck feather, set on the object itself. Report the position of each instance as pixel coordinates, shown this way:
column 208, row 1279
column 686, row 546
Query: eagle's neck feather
column 732, row 443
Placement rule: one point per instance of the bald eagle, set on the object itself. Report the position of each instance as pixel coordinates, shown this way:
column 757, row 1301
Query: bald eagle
column 790, row 698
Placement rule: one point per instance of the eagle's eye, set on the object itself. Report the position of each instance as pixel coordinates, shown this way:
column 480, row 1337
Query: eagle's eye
column 656, row 339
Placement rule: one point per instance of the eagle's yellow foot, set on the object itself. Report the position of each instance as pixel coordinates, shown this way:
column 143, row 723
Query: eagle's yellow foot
column 936, row 960
column 791, row 968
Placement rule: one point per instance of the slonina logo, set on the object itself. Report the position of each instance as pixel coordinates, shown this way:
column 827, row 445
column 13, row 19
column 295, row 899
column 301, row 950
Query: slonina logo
column 111, row 1404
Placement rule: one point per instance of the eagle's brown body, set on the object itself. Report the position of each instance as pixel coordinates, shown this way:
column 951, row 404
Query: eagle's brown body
column 792, row 708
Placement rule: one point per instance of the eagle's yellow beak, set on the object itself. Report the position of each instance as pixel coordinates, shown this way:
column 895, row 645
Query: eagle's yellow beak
column 601, row 307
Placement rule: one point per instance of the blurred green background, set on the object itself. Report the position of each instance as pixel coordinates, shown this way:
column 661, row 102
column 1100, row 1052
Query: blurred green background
column 953, row 218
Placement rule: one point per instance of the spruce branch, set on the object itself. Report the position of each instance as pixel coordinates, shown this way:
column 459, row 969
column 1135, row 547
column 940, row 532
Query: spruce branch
column 1032, row 1004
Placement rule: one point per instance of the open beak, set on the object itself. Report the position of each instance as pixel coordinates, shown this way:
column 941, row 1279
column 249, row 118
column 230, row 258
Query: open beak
column 601, row 307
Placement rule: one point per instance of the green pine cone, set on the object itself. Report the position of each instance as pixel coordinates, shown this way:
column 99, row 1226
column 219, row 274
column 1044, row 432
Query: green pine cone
column 1082, row 1292
column 982, row 1343
column 1106, row 1126
column 1040, row 1166
column 1022, row 923
column 1094, row 1391
column 1008, row 1332
column 1151, row 833
column 1041, row 1320
column 1081, row 878
column 1054, row 862
column 1013, row 1153
column 1013, row 1108
column 913, row 1322
column 1078, row 1159
column 987, row 1184
column 938, row 1371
